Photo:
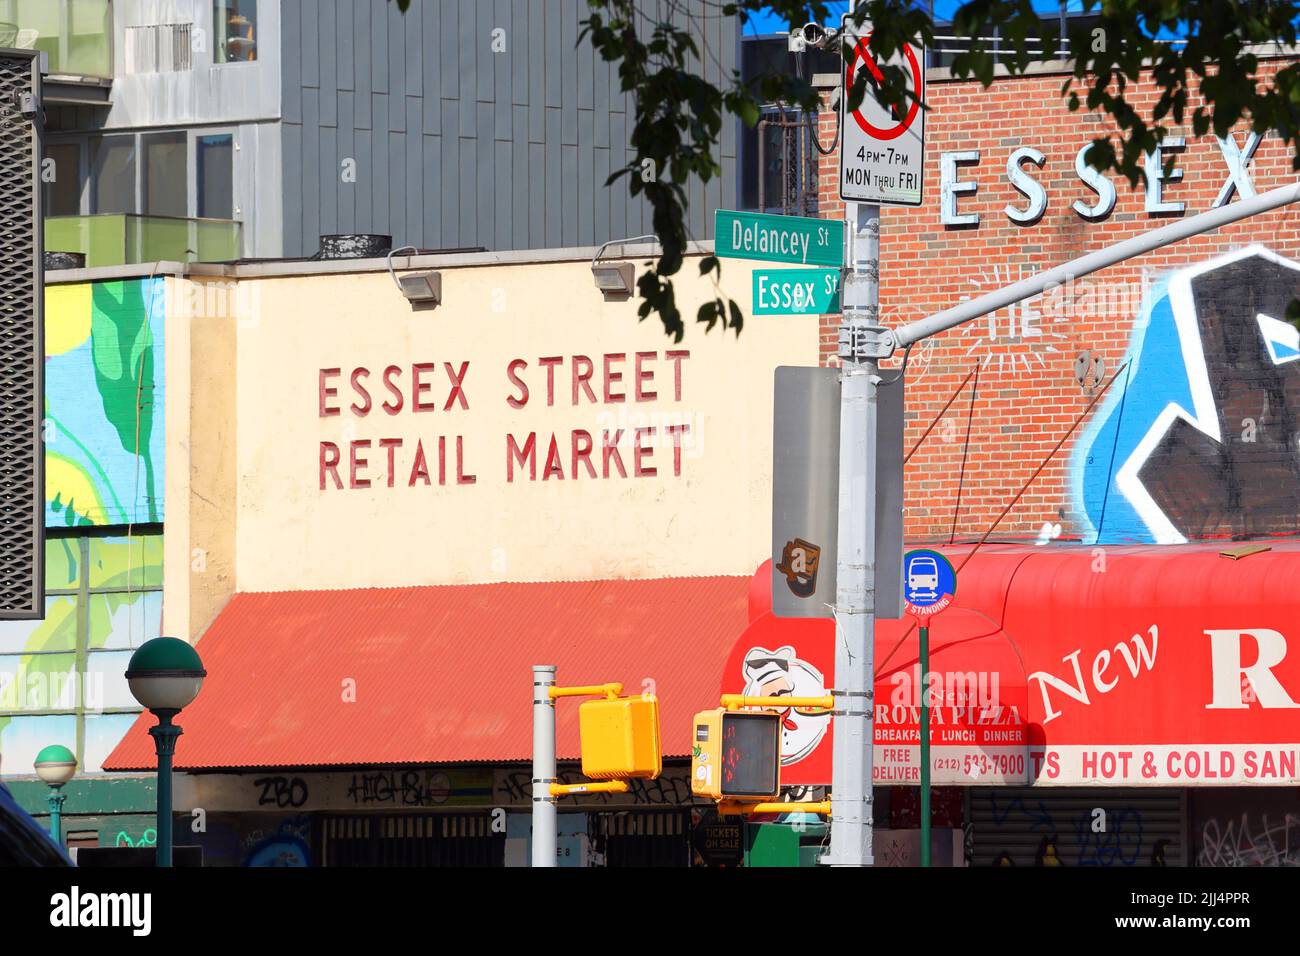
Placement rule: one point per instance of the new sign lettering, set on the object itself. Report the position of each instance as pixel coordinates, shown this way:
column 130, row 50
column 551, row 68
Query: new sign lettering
column 794, row 239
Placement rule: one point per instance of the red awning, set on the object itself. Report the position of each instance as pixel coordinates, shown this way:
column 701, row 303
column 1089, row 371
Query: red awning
column 1125, row 666
column 441, row 674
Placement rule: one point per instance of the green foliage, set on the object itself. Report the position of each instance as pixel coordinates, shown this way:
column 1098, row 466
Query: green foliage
column 679, row 115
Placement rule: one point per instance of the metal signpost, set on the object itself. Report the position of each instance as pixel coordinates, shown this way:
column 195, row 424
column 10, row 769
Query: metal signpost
column 868, row 581
column 929, row 583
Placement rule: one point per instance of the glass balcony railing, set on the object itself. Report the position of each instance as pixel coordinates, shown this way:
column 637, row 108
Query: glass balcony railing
column 77, row 34
column 115, row 240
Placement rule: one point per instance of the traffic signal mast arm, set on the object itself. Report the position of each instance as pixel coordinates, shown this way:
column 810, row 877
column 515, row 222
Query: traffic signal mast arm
column 733, row 808
column 608, row 691
column 737, row 701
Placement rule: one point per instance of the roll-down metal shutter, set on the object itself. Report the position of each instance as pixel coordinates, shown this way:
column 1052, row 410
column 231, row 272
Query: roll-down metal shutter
column 1076, row 827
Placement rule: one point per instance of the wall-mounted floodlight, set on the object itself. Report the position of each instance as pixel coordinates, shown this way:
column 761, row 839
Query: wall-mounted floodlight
column 616, row 280
column 420, row 288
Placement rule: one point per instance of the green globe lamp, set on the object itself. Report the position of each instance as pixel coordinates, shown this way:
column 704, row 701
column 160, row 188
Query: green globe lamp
column 56, row 765
column 165, row 675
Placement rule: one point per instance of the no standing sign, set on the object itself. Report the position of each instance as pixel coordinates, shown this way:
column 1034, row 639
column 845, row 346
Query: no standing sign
column 883, row 148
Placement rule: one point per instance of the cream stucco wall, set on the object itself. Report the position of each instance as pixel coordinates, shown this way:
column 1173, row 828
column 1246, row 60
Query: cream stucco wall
column 203, row 317
column 713, row 518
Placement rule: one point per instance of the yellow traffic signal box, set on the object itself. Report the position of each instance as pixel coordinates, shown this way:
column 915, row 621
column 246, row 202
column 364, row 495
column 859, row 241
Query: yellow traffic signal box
column 736, row 754
column 620, row 738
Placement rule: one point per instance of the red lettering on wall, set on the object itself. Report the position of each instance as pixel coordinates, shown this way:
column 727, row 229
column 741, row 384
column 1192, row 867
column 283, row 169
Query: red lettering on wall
column 461, row 477
column 395, row 389
column 419, row 388
column 677, row 431
column 358, row 376
column 677, row 356
column 457, row 392
column 645, row 377
column 582, row 445
column 582, row 377
column 330, row 456
column 512, row 372
column 420, row 468
column 442, row 460
column 392, row 444
column 528, row 453
column 553, row 467
column 327, row 392
column 613, row 377
column 609, row 450
column 549, row 363
column 356, row 463
column 640, row 451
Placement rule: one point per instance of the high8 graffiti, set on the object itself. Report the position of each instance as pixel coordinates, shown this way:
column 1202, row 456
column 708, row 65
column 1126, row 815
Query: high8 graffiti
column 1245, row 842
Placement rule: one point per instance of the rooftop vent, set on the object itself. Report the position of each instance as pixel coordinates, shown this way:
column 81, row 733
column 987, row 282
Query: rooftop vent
column 354, row 246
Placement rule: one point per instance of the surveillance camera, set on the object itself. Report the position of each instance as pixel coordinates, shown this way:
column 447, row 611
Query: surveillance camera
column 813, row 33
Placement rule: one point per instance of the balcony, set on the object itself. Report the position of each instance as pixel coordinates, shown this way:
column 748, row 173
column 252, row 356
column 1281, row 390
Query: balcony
column 76, row 34
column 115, row 240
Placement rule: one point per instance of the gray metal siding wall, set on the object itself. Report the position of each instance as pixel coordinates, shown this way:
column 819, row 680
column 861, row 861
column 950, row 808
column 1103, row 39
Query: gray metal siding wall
column 458, row 146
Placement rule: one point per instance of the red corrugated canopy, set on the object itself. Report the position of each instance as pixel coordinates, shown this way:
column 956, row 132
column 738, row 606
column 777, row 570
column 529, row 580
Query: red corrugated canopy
column 442, row 674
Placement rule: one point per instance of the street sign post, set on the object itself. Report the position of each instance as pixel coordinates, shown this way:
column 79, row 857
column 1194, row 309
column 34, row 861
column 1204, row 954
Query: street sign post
column 882, row 156
column 794, row 239
column 929, row 583
column 796, row 291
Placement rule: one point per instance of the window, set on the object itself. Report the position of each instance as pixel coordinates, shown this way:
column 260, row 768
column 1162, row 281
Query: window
column 234, row 24
column 114, row 164
column 216, row 188
column 62, row 179
column 165, row 174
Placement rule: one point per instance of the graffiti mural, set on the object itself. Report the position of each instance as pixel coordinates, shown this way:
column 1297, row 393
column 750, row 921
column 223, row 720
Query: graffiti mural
column 104, row 403
column 1198, row 437
column 62, row 679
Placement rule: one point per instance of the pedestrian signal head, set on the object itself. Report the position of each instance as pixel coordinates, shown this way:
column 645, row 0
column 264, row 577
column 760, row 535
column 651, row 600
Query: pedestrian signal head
column 736, row 754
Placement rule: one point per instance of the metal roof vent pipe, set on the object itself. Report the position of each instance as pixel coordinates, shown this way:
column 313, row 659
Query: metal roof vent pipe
column 354, row 246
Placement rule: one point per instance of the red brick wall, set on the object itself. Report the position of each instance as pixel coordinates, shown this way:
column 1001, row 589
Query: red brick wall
column 1028, row 396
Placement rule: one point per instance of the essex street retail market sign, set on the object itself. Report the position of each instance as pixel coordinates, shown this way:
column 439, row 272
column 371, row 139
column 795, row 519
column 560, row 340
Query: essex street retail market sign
column 374, row 401
column 795, row 239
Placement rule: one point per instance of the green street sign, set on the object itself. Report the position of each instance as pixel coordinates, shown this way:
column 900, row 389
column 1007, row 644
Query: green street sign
column 795, row 239
column 796, row 291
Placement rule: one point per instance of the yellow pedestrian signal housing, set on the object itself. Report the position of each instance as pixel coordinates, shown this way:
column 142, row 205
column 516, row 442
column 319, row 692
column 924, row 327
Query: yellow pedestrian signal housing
column 620, row 738
column 736, row 754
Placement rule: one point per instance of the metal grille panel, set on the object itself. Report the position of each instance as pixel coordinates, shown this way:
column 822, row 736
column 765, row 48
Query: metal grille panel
column 22, row 514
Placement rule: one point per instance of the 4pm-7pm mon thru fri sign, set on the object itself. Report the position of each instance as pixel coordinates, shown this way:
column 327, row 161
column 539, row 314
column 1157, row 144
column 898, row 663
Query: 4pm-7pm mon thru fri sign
column 795, row 239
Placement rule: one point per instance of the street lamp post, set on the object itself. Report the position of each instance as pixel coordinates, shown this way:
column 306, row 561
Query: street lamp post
column 56, row 765
column 165, row 675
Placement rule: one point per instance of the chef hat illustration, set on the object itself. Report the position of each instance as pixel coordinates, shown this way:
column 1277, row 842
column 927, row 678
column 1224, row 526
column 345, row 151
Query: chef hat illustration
column 761, row 664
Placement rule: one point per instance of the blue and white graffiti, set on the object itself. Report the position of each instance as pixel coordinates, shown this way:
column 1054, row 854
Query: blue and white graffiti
column 1199, row 437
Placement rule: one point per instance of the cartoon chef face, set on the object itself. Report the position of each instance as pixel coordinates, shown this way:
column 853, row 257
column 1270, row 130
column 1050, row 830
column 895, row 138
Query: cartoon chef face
column 780, row 673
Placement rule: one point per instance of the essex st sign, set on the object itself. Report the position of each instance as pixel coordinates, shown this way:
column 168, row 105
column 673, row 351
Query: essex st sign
column 794, row 239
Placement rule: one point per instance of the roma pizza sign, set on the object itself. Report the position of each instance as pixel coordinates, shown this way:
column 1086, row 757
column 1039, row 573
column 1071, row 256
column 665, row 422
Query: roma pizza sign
column 883, row 150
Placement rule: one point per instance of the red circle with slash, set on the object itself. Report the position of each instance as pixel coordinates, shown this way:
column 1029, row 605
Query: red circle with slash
column 869, row 63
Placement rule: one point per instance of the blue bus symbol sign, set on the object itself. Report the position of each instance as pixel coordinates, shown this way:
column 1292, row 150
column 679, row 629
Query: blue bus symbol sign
column 929, row 582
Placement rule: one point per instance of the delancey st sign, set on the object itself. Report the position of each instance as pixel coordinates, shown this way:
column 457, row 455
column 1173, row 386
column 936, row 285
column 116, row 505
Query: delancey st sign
column 794, row 239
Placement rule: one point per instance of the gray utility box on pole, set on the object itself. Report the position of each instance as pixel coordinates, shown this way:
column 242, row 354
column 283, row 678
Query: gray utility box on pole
column 805, row 493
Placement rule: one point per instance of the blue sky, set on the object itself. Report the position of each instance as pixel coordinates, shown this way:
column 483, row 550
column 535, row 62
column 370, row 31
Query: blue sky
column 767, row 23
